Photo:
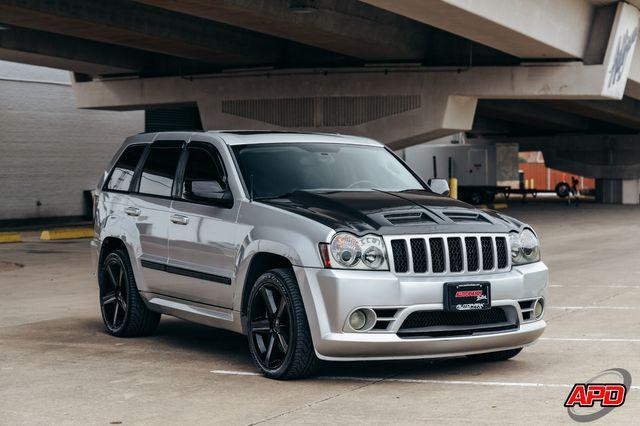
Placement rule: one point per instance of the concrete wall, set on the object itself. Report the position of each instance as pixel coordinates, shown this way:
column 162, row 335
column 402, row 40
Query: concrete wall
column 50, row 151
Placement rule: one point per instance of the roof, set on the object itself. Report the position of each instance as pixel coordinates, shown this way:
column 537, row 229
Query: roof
column 250, row 137
column 246, row 137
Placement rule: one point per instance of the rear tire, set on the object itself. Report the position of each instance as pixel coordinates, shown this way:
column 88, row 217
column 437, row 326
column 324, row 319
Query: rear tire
column 277, row 328
column 495, row 356
column 123, row 311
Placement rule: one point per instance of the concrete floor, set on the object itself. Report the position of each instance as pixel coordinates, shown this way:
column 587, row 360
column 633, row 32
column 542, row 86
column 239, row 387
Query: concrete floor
column 57, row 365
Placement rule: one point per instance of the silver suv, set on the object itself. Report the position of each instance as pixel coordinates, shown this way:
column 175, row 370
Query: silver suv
column 316, row 246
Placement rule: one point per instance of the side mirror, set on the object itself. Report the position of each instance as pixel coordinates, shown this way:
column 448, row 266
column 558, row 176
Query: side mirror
column 439, row 186
column 208, row 191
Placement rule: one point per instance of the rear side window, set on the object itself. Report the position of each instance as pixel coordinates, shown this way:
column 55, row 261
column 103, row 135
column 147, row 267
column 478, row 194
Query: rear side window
column 124, row 169
column 159, row 170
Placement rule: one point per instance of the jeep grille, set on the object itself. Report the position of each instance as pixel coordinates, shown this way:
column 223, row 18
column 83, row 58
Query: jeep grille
column 449, row 254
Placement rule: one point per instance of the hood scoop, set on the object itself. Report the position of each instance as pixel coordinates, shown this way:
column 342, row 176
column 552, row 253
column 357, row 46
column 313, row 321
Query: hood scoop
column 468, row 217
column 408, row 218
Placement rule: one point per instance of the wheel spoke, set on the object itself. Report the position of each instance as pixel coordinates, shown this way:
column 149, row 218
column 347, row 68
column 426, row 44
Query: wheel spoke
column 267, row 359
column 111, row 276
column 260, row 326
column 267, row 295
column 115, row 314
column 281, row 307
column 260, row 342
column 282, row 342
column 120, row 277
column 109, row 298
column 122, row 303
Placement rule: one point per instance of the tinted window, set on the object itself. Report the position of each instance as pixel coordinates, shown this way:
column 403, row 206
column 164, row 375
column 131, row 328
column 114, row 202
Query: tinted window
column 159, row 170
column 204, row 168
column 125, row 167
column 279, row 169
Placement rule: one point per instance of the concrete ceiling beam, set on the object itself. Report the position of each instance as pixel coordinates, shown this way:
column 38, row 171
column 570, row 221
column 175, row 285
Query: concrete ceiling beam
column 625, row 112
column 142, row 27
column 58, row 51
column 417, row 104
column 523, row 28
column 346, row 27
column 531, row 114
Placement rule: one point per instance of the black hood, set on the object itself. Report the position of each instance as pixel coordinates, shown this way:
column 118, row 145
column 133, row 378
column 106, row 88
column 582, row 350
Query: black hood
column 406, row 212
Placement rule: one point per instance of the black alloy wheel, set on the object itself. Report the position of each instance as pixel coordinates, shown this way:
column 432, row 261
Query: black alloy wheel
column 270, row 326
column 123, row 311
column 278, row 331
column 114, row 293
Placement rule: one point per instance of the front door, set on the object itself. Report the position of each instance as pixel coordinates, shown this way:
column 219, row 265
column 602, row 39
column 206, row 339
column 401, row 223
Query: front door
column 202, row 234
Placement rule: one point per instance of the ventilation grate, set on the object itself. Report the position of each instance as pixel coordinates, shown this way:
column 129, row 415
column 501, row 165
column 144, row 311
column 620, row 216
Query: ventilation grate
column 326, row 111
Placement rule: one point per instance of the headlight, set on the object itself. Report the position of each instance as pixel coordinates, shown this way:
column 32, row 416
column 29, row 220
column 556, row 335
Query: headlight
column 347, row 251
column 525, row 247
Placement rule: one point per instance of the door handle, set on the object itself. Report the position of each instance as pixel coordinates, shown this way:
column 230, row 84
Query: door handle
column 132, row 211
column 178, row 219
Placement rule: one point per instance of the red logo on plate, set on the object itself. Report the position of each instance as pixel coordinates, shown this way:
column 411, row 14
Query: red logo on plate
column 469, row 293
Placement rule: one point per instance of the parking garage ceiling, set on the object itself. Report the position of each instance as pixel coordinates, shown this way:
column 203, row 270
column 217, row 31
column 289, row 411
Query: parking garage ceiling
column 150, row 38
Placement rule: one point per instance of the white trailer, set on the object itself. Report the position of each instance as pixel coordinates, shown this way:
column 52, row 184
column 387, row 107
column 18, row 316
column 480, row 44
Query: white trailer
column 473, row 164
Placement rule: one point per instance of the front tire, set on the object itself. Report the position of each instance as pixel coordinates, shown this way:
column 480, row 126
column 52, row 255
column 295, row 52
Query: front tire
column 495, row 356
column 277, row 328
column 123, row 311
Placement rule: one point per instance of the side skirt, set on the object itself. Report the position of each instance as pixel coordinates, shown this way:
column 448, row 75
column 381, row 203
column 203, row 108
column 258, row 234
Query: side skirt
column 213, row 316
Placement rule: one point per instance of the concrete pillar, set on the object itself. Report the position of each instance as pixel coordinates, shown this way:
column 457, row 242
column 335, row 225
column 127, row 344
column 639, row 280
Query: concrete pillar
column 618, row 191
column 631, row 191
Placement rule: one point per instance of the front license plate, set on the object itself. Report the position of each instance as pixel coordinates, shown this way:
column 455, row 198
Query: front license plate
column 467, row 296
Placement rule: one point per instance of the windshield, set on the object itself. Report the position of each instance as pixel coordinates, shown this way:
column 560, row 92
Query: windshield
column 280, row 169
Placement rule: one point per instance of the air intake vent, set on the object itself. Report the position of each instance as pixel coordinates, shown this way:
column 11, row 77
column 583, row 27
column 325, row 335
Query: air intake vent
column 442, row 324
column 467, row 217
column 408, row 218
column 324, row 111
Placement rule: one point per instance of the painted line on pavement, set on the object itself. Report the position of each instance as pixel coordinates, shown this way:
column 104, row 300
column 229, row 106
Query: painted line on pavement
column 623, row 308
column 591, row 339
column 419, row 381
column 594, row 286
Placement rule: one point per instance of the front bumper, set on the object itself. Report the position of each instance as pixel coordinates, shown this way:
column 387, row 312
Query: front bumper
column 331, row 295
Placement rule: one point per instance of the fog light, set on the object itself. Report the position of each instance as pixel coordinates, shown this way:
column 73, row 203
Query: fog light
column 358, row 319
column 538, row 310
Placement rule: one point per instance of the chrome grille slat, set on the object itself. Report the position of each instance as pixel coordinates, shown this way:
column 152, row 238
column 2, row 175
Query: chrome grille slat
column 449, row 254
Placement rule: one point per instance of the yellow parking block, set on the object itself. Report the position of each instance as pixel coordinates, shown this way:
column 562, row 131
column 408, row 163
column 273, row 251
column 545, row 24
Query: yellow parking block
column 497, row 206
column 10, row 237
column 66, row 234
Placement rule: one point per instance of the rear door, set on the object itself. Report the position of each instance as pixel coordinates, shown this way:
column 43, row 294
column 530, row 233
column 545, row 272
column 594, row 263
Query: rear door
column 150, row 204
column 202, row 235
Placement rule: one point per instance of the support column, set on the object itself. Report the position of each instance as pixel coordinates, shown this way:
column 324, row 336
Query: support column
column 618, row 191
